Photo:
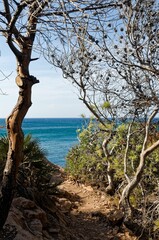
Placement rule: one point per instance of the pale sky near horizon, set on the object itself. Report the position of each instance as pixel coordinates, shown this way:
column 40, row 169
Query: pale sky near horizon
column 53, row 97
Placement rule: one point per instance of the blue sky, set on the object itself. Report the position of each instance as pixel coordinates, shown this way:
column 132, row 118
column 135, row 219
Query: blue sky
column 52, row 97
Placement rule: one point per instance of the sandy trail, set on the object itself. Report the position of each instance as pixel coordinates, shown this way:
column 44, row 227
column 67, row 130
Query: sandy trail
column 87, row 213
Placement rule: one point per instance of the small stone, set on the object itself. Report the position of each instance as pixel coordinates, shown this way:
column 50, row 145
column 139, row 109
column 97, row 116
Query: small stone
column 53, row 230
column 65, row 204
column 88, row 188
column 102, row 197
column 116, row 217
column 36, row 227
column 102, row 234
column 115, row 230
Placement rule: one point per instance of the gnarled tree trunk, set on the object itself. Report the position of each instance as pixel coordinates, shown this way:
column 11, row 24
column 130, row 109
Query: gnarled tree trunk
column 21, row 46
column 15, row 135
column 146, row 150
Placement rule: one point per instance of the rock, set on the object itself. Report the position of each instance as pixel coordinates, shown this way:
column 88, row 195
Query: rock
column 65, row 204
column 24, row 203
column 36, row 214
column 116, row 217
column 53, row 230
column 88, row 188
column 36, row 227
column 102, row 235
column 28, row 219
column 103, row 197
column 8, row 232
column 96, row 214
column 115, row 230
column 56, row 180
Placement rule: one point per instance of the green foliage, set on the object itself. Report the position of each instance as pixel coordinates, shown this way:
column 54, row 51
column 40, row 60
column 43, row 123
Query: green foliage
column 35, row 171
column 83, row 161
column 156, row 225
column 32, row 149
column 106, row 105
column 86, row 161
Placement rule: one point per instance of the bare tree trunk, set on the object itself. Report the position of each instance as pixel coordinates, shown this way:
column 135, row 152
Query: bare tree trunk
column 126, row 153
column 15, row 152
column 110, row 172
column 110, row 176
column 21, row 46
column 138, row 175
column 133, row 183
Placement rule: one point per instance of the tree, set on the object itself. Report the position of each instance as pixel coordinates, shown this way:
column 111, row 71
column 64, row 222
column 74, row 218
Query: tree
column 27, row 26
column 89, row 34
column 114, row 64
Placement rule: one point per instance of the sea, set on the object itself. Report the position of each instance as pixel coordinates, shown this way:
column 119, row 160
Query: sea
column 55, row 135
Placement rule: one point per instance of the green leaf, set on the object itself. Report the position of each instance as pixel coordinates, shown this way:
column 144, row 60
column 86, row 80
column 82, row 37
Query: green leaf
column 106, row 105
column 156, row 223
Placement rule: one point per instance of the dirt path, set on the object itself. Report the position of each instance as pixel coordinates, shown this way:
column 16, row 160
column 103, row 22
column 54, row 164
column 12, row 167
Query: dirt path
column 91, row 215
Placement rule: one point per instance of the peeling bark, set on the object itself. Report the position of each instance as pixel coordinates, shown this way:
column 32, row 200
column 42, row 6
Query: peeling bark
column 16, row 138
column 21, row 46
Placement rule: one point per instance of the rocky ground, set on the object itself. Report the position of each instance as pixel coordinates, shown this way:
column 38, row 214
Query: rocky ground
column 74, row 212
column 91, row 214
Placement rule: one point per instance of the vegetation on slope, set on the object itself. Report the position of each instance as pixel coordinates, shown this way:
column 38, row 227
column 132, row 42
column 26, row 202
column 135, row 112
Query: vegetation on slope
column 87, row 163
column 35, row 171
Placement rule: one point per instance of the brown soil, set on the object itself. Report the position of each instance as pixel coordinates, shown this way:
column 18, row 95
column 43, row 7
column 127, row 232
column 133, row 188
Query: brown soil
column 90, row 214
column 73, row 212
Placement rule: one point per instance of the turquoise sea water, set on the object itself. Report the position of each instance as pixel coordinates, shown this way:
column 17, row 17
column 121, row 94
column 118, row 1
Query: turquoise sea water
column 56, row 135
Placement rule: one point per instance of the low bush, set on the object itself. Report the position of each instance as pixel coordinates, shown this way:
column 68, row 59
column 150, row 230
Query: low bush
column 35, row 171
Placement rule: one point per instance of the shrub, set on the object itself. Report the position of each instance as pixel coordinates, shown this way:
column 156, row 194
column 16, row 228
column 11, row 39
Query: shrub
column 86, row 161
column 35, row 171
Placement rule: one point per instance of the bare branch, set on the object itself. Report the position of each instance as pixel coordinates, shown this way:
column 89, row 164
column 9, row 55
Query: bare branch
column 5, row 76
column 7, row 10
